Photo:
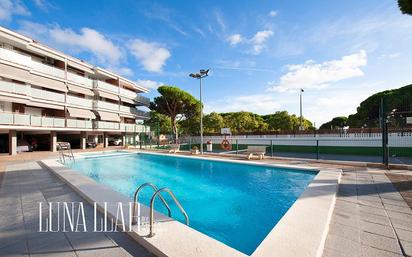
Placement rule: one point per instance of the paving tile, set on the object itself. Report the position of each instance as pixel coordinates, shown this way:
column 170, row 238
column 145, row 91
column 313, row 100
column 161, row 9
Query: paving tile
column 407, row 247
column 404, row 235
column 378, row 229
column 343, row 245
column 368, row 251
column 351, row 233
column 89, row 240
column 380, row 242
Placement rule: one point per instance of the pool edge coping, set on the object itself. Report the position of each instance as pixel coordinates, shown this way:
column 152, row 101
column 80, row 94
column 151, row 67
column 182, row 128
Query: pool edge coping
column 312, row 197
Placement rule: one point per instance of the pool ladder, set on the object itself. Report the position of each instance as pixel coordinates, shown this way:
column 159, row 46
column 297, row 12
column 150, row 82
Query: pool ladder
column 62, row 156
column 157, row 192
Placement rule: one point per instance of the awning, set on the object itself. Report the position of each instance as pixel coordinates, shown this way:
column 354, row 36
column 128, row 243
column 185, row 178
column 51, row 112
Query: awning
column 80, row 90
column 127, row 115
column 84, row 67
column 127, row 100
column 80, row 113
column 108, row 116
column 13, row 99
column 46, row 105
column 109, row 96
column 12, row 72
column 48, row 83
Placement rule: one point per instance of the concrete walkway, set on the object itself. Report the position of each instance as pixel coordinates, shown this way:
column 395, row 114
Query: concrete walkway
column 370, row 218
column 24, row 186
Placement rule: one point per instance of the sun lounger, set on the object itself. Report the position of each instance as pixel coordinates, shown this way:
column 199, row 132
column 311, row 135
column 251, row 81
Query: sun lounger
column 257, row 150
column 174, row 148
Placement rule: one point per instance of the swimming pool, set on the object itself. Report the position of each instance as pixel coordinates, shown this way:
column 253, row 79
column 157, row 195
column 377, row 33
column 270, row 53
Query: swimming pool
column 237, row 204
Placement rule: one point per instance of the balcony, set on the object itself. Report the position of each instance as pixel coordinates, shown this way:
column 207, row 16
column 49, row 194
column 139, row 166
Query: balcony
column 14, row 88
column 128, row 93
column 20, row 119
column 143, row 100
column 86, row 82
column 134, row 128
column 73, row 123
column 142, row 114
column 47, row 69
column 47, row 95
column 98, row 84
column 15, row 57
column 107, row 125
column 106, row 105
column 78, row 101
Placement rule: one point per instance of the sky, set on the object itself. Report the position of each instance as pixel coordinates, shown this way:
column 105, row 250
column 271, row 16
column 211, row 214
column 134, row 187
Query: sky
column 260, row 53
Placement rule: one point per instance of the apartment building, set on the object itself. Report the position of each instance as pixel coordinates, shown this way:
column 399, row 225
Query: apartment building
column 47, row 96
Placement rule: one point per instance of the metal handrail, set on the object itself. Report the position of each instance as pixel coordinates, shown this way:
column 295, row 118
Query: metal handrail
column 136, row 196
column 151, row 234
column 62, row 155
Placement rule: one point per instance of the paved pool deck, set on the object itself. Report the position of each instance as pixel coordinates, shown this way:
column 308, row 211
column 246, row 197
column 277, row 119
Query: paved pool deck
column 27, row 183
column 371, row 217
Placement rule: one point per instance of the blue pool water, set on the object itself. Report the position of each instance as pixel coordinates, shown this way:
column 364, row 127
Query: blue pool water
column 237, row 204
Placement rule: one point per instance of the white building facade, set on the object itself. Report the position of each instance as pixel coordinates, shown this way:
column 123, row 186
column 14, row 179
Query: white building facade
column 47, row 96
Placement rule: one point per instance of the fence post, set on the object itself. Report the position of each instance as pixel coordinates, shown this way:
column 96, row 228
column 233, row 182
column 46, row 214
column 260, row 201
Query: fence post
column 190, row 143
column 317, row 149
column 384, row 125
column 237, row 146
column 271, row 148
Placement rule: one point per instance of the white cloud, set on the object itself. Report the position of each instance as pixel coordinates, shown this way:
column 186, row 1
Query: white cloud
column 256, row 103
column 149, row 83
column 44, row 5
column 235, row 39
column 124, row 71
column 151, row 55
column 319, row 75
column 88, row 40
column 273, row 13
column 10, row 8
column 259, row 39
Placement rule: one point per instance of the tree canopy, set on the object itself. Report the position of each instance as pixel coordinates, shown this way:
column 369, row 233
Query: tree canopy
column 335, row 123
column 405, row 6
column 176, row 104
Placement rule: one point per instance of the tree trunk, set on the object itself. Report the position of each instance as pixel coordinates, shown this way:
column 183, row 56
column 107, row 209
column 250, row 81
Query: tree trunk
column 175, row 131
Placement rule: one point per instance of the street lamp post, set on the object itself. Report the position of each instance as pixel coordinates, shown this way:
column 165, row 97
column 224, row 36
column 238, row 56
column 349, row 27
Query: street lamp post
column 301, row 116
column 202, row 74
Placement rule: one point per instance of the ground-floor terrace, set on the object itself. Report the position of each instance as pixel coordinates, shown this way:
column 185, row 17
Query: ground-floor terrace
column 372, row 215
column 17, row 141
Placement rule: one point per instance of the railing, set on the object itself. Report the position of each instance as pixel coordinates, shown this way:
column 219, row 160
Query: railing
column 106, row 86
column 21, row 119
column 47, row 95
column 15, row 57
column 142, row 114
column 83, row 102
column 134, row 128
column 47, row 69
column 106, row 105
column 80, row 80
column 143, row 100
column 128, row 93
column 107, row 125
column 73, row 123
column 14, row 88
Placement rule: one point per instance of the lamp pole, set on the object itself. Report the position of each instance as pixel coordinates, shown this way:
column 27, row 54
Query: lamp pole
column 202, row 74
column 301, row 116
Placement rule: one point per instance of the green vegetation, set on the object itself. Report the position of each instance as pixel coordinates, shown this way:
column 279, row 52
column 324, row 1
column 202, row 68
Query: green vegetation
column 177, row 105
column 405, row 6
column 335, row 123
column 368, row 110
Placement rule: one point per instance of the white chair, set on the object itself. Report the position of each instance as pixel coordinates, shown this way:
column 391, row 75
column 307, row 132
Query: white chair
column 258, row 150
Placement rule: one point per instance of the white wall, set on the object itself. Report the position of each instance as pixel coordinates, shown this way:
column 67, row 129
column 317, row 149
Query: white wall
column 5, row 106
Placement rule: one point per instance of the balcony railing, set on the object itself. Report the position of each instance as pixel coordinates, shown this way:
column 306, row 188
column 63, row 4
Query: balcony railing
column 14, row 88
column 78, row 101
column 47, row 95
column 47, row 69
column 15, row 57
column 106, row 105
column 86, row 82
column 125, row 127
column 142, row 114
column 107, row 125
column 143, row 100
column 22, row 119
column 73, row 123
column 128, row 93
column 106, row 86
